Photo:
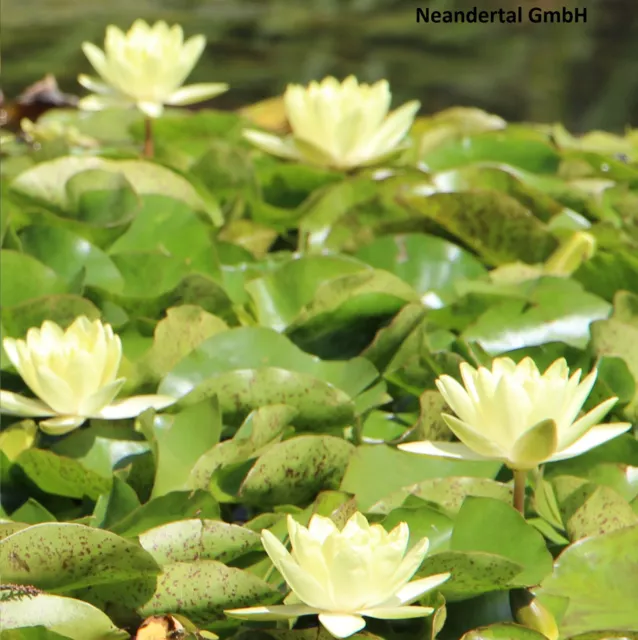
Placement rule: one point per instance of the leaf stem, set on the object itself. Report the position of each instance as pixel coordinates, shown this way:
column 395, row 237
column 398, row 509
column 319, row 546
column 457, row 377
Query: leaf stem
column 520, row 479
column 149, row 147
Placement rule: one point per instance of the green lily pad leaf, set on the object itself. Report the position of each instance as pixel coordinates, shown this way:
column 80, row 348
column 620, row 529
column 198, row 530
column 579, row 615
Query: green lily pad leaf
column 24, row 278
column 545, row 503
column 430, row 265
column 606, row 635
column 101, row 447
column 47, row 181
column 183, row 129
column 17, row 438
column 171, row 285
column 336, row 505
column 433, row 130
column 110, row 126
column 64, row 556
column 254, row 347
column 494, row 225
column 504, row 631
column 287, row 189
column 614, row 380
column 609, row 271
column 424, row 356
column 32, row 512
column 524, row 149
column 7, row 527
column 206, row 588
column 62, row 309
column 603, row 166
column 401, row 469
column 280, row 296
column 178, row 505
column 192, row 540
column 203, row 290
column 505, row 179
column 389, row 339
column 183, row 329
column 491, row 526
column 262, row 427
column 314, row 633
column 618, row 337
column 147, row 274
column 328, row 205
column 318, row 403
column 295, row 470
column 73, row 619
column 424, row 522
column 430, row 425
column 68, row 254
column 588, row 509
column 116, row 505
column 179, row 440
column 380, row 426
column 611, row 464
column 608, row 562
column 346, row 312
column 448, row 493
column 169, row 225
column 558, row 310
column 61, row 476
column 100, row 197
column 473, row 572
column 234, row 254
column 32, row 633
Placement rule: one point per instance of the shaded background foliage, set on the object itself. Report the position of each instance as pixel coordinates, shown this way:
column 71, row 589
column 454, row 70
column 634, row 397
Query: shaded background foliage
column 583, row 75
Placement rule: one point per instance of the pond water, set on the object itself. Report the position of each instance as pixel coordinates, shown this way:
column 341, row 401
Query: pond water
column 584, row 74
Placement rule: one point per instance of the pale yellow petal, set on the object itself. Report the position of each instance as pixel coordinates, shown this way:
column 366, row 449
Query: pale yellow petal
column 271, row 144
column 593, row 438
column 305, row 586
column 150, row 109
column 62, row 424
column 275, row 550
column 457, row 398
column 93, row 404
column 342, row 625
column 319, row 526
column 132, row 407
column 397, row 613
column 395, row 128
column 408, row 566
column 272, row 612
column 97, row 59
column 94, row 85
column 535, row 446
column 17, row 405
column 56, row 392
column 571, row 434
column 414, row 590
column 466, row 433
column 196, row 93
column 455, row 450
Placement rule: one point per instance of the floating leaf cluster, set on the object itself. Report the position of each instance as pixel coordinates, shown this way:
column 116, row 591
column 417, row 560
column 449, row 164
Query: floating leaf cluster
column 306, row 324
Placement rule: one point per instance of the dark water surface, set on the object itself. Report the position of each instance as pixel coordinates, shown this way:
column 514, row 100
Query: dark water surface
column 584, row 74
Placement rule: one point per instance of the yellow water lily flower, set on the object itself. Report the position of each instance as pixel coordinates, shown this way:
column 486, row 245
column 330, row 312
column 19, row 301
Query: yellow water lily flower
column 339, row 125
column 145, row 67
column 73, row 373
column 344, row 575
column 515, row 414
